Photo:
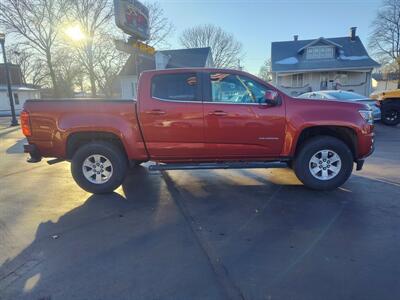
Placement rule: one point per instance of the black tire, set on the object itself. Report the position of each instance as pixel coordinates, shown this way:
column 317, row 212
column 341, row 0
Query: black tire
column 107, row 150
column 311, row 147
column 391, row 115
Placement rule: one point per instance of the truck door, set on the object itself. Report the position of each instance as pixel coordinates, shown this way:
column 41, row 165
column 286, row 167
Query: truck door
column 171, row 115
column 238, row 123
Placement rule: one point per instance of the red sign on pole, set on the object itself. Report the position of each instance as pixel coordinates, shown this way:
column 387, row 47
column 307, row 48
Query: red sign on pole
column 133, row 18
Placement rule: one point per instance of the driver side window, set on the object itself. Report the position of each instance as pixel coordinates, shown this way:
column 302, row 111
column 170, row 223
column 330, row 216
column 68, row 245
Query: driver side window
column 229, row 88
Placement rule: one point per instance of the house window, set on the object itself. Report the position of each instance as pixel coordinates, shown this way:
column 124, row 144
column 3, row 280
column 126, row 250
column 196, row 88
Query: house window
column 320, row 52
column 297, row 80
column 16, row 99
column 342, row 78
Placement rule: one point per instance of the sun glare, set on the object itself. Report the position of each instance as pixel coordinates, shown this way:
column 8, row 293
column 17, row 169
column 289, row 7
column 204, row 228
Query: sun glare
column 75, row 33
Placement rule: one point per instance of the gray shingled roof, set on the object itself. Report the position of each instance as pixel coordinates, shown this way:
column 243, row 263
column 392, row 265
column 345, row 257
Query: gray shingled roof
column 351, row 55
column 190, row 58
column 180, row 58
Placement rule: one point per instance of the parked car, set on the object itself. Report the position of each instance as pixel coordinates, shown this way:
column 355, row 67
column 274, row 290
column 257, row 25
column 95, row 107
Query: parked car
column 389, row 102
column 200, row 119
column 345, row 96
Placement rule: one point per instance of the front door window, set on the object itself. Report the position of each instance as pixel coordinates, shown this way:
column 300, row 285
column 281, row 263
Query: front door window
column 232, row 88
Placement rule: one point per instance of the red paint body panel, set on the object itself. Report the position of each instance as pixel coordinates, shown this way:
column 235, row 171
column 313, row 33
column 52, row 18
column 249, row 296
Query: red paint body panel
column 302, row 114
column 176, row 131
column 54, row 121
column 246, row 131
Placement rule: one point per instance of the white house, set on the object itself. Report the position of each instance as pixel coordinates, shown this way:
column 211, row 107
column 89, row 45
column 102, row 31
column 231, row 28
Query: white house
column 21, row 92
column 20, row 95
column 166, row 59
column 300, row 66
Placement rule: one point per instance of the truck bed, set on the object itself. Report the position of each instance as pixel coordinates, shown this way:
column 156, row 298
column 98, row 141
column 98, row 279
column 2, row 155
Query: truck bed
column 53, row 121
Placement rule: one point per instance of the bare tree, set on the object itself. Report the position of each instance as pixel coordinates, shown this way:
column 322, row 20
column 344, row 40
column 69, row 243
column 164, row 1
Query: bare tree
column 68, row 71
column 110, row 62
column 93, row 17
column 385, row 37
column 34, row 23
column 265, row 71
column 160, row 27
column 226, row 50
column 33, row 70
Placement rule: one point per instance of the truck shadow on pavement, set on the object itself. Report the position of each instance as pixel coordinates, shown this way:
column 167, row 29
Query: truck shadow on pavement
column 138, row 245
column 18, row 147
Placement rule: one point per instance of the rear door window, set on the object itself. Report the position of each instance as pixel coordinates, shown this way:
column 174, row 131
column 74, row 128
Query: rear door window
column 175, row 87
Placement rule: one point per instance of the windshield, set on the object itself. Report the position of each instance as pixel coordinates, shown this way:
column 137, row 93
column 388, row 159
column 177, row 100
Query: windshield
column 345, row 95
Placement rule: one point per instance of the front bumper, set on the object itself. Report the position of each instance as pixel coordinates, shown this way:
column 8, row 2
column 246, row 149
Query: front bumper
column 360, row 162
column 34, row 153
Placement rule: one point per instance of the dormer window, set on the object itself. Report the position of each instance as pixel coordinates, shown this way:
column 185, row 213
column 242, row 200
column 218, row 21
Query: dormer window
column 320, row 52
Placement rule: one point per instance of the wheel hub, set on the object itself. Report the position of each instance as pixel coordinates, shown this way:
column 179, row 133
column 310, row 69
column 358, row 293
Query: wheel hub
column 325, row 164
column 97, row 169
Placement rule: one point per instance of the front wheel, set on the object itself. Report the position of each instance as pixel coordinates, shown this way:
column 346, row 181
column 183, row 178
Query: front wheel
column 391, row 115
column 323, row 163
column 99, row 167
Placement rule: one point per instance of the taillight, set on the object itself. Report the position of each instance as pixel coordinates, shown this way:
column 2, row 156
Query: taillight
column 25, row 123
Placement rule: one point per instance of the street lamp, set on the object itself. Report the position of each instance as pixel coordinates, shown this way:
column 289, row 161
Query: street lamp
column 14, row 121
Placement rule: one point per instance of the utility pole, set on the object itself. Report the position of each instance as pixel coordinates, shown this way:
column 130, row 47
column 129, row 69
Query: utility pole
column 14, row 121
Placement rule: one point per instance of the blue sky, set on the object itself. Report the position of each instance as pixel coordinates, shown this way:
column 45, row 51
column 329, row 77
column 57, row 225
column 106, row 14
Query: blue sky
column 257, row 23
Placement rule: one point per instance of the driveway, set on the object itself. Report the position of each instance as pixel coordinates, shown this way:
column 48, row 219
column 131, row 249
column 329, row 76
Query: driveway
column 224, row 234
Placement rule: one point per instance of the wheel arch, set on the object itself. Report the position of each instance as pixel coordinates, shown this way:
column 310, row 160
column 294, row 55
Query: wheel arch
column 343, row 133
column 78, row 139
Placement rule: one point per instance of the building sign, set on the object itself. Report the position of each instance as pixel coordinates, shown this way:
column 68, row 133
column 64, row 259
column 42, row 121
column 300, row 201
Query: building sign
column 134, row 46
column 133, row 18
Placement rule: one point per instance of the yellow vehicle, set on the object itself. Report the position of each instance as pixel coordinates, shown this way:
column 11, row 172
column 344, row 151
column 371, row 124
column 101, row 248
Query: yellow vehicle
column 389, row 102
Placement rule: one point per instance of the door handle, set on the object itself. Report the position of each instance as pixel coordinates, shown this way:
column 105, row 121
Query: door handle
column 155, row 112
column 217, row 113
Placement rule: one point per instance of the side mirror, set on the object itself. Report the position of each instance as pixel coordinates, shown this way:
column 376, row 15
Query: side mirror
column 271, row 97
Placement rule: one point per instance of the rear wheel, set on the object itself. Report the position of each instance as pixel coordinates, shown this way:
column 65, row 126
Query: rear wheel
column 391, row 115
column 99, row 167
column 323, row 163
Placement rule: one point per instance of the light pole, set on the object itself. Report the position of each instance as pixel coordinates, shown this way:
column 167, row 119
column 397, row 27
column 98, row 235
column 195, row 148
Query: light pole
column 14, row 121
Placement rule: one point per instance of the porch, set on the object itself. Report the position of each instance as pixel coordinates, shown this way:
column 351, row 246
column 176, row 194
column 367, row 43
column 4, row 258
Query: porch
column 296, row 83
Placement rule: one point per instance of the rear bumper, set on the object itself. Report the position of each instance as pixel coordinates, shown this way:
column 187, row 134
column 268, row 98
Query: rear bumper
column 34, row 153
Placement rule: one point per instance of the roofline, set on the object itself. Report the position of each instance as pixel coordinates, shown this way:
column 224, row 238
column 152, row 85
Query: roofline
column 320, row 70
column 312, row 39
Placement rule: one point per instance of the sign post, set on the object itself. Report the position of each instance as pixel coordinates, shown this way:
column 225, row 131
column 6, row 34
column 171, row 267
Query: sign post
column 132, row 17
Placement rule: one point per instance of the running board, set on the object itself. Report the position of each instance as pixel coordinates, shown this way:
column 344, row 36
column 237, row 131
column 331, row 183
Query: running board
column 226, row 165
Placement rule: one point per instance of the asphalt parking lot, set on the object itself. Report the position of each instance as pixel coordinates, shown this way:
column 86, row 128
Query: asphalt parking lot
column 234, row 234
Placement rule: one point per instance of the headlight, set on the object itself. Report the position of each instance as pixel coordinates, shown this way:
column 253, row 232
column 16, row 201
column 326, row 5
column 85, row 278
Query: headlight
column 367, row 116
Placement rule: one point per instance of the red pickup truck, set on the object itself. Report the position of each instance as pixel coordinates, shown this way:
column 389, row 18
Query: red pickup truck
column 200, row 119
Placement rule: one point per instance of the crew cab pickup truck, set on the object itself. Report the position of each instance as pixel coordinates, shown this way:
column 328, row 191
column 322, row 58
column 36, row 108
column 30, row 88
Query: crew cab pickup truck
column 200, row 119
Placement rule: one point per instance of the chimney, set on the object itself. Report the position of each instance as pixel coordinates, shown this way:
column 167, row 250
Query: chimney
column 353, row 33
column 296, row 38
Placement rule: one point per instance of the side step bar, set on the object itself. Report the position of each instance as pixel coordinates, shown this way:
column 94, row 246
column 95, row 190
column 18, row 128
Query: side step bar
column 225, row 165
